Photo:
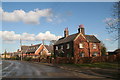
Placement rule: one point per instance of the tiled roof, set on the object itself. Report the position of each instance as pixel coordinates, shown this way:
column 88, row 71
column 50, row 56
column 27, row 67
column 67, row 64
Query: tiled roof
column 32, row 48
column 67, row 39
column 117, row 51
column 49, row 48
column 90, row 38
column 24, row 49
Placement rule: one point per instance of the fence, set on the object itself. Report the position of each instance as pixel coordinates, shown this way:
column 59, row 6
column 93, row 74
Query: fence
column 58, row 60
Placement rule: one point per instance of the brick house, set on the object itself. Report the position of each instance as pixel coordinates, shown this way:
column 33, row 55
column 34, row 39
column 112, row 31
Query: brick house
column 77, row 45
column 36, row 51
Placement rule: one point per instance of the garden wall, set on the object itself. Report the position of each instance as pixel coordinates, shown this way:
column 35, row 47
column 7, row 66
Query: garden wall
column 59, row 60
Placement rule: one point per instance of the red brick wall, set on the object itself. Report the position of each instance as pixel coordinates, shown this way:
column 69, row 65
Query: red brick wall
column 66, row 51
column 95, row 50
column 77, row 50
column 88, row 48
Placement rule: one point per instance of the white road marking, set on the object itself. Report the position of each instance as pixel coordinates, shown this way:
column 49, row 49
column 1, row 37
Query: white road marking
column 7, row 67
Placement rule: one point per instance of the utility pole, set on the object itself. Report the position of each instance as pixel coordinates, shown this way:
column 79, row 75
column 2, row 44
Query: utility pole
column 21, row 49
column 5, row 54
column 43, row 42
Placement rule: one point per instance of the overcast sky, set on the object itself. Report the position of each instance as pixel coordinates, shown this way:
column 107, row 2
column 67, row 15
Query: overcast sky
column 34, row 21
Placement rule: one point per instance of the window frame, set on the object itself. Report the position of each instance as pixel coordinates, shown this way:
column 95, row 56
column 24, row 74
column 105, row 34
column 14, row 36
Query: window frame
column 61, row 46
column 95, row 54
column 94, row 46
column 56, row 47
column 82, row 54
column 68, row 46
column 81, row 45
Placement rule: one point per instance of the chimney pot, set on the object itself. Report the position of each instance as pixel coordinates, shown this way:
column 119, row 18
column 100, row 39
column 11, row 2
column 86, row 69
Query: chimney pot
column 66, row 32
column 81, row 26
column 81, row 29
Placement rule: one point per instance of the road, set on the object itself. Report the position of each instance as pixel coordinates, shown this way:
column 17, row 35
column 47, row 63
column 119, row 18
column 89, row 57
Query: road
column 22, row 69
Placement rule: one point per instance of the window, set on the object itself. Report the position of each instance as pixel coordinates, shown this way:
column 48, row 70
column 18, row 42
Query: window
column 82, row 54
column 37, row 47
column 94, row 46
column 56, row 47
column 95, row 54
column 61, row 46
column 68, row 46
column 81, row 45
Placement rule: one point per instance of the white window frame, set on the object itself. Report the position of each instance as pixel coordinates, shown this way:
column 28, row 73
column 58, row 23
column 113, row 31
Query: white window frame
column 68, row 46
column 61, row 46
column 94, row 46
column 56, row 47
column 95, row 54
column 81, row 45
column 82, row 54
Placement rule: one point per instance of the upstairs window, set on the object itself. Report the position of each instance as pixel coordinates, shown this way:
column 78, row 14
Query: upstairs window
column 56, row 47
column 68, row 46
column 94, row 46
column 81, row 45
column 61, row 46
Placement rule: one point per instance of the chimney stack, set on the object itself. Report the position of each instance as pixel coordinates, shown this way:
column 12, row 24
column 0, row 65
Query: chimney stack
column 81, row 29
column 66, row 32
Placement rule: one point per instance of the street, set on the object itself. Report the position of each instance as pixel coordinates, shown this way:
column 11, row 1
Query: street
column 24, row 69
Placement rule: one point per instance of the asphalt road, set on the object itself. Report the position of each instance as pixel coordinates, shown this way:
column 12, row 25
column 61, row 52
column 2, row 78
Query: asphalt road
column 22, row 69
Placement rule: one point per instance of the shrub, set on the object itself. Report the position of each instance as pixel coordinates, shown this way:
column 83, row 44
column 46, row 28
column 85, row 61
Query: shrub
column 28, row 58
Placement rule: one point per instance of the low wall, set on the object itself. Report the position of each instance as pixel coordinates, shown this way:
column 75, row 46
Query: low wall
column 59, row 60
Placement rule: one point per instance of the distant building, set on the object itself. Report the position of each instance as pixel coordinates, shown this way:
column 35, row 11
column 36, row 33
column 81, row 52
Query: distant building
column 77, row 45
column 117, row 51
column 36, row 51
column 7, row 55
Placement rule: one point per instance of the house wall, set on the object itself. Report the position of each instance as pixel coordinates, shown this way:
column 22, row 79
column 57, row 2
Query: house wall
column 67, row 52
column 39, row 49
column 78, row 50
column 95, row 50
column 88, row 48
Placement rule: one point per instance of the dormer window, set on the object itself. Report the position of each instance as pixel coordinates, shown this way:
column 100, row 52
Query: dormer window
column 61, row 46
column 94, row 46
column 81, row 45
column 68, row 46
column 56, row 47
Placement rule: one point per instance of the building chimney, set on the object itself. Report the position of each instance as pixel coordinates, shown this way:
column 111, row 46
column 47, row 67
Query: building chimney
column 81, row 29
column 66, row 32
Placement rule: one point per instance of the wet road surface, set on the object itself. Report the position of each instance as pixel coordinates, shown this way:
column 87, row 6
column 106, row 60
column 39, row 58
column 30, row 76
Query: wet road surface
column 22, row 69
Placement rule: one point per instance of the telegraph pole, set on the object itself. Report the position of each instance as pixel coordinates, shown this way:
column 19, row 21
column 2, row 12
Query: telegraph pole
column 21, row 49
column 5, row 54
column 43, row 41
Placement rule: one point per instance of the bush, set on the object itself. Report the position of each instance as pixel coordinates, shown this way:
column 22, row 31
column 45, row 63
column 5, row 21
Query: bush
column 28, row 58
column 13, row 58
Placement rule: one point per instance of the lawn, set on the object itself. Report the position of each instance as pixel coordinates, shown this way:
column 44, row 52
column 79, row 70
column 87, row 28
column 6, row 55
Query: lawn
column 104, row 68
column 103, row 65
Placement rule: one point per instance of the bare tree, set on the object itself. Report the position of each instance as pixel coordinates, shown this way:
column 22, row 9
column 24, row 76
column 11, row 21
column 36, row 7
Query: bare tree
column 113, row 24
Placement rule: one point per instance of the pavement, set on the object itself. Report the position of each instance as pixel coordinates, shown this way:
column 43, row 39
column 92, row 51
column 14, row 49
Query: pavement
column 26, row 69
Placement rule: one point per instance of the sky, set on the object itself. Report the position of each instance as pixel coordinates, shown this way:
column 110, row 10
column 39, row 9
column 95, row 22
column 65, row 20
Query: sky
column 34, row 21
